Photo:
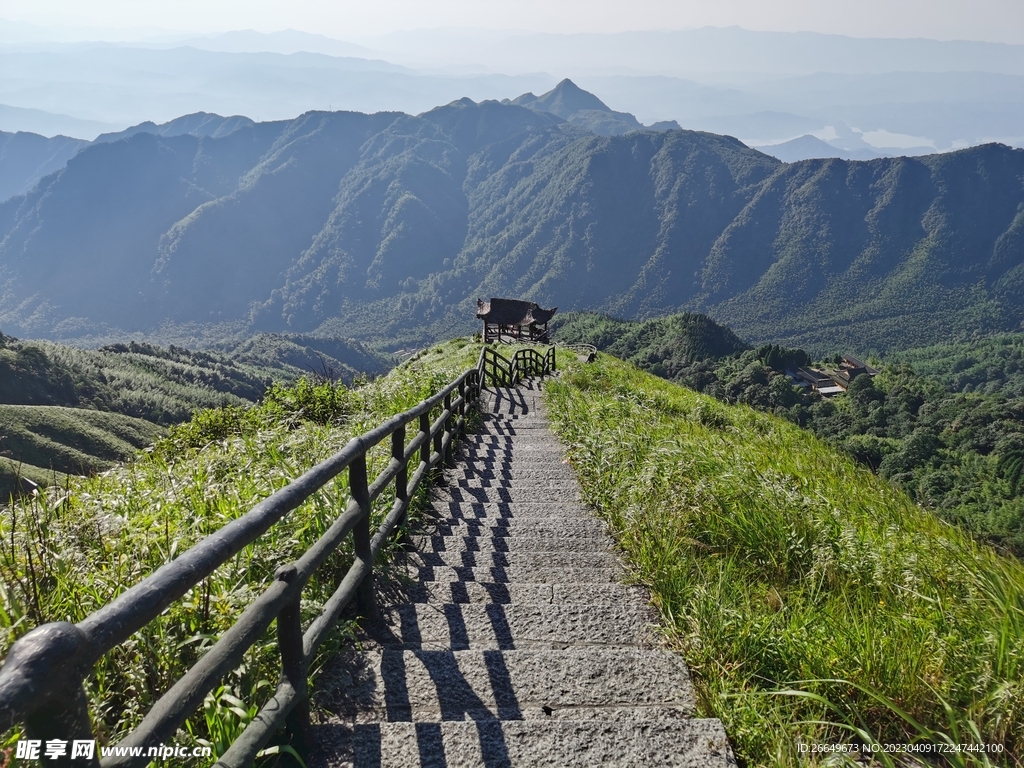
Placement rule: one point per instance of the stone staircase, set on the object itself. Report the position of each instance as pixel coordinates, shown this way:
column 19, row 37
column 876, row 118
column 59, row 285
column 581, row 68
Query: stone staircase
column 515, row 642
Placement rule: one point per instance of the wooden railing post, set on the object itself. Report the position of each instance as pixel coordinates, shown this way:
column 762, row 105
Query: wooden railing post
column 398, row 454
column 439, row 444
column 48, row 684
column 425, row 432
column 293, row 664
column 463, row 409
column 449, row 430
column 357, row 484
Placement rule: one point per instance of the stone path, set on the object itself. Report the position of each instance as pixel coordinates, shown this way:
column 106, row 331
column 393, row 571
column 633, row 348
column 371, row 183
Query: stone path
column 516, row 642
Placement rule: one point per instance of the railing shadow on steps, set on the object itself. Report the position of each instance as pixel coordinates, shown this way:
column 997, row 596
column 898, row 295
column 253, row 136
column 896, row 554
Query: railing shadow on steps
column 42, row 678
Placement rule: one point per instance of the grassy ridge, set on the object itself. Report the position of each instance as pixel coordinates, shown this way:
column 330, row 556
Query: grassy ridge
column 160, row 385
column 72, row 440
column 779, row 565
column 73, row 549
column 78, row 411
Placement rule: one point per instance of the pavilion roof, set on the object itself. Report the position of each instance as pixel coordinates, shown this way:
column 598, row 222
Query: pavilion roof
column 512, row 312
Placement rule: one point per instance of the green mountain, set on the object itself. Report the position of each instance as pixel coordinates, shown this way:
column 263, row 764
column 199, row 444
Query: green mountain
column 664, row 346
column 25, row 158
column 387, row 227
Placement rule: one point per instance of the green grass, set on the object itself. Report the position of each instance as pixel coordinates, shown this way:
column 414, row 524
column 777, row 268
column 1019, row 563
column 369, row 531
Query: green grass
column 814, row 602
column 11, row 472
column 72, row 549
column 72, row 440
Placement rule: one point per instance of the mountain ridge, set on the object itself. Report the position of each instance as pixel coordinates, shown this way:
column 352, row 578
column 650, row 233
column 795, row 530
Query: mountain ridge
column 25, row 158
column 387, row 226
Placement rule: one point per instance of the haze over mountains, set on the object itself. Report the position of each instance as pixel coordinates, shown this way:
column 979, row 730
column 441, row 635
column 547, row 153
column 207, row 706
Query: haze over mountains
column 762, row 87
column 387, row 227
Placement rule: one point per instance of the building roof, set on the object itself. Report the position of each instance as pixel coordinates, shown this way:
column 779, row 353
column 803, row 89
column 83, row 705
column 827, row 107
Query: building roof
column 826, row 391
column 512, row 312
column 854, row 362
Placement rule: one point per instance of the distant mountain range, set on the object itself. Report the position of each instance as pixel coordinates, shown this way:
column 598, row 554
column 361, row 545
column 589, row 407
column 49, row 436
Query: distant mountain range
column 809, row 147
column 387, row 227
column 25, row 158
column 762, row 87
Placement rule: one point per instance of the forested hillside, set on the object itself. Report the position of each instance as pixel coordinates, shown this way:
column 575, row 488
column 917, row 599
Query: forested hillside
column 386, row 227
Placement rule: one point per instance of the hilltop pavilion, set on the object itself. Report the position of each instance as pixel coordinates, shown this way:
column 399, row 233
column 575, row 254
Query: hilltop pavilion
column 512, row 320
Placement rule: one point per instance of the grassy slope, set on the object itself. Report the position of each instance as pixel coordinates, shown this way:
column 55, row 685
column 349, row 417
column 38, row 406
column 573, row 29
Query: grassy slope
column 12, row 472
column 45, row 442
column 161, row 385
column 70, row 551
column 78, row 411
column 72, row 440
column 774, row 560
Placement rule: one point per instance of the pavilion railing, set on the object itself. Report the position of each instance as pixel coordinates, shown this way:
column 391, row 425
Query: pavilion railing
column 505, row 372
column 42, row 678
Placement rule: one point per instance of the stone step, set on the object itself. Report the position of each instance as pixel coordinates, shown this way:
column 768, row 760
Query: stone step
column 386, row 684
column 522, row 592
column 525, row 440
column 492, row 461
column 512, row 473
column 548, row 481
column 555, row 541
column 547, row 514
column 553, row 494
column 516, row 464
column 516, row 451
column 520, row 560
column 513, row 435
column 509, row 626
column 541, row 526
column 490, row 457
column 510, row 574
column 647, row 743
column 495, row 512
column 517, row 470
column 503, row 426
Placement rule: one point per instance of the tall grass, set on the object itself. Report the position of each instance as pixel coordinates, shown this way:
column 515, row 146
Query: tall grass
column 814, row 603
column 69, row 551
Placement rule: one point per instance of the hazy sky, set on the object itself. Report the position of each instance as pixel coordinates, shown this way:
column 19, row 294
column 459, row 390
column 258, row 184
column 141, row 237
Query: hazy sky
column 990, row 20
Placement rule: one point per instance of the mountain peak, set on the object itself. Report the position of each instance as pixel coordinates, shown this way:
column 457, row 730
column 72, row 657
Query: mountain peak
column 570, row 102
column 565, row 100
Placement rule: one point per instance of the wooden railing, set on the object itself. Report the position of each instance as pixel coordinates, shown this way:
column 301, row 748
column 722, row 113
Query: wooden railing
column 505, row 372
column 42, row 678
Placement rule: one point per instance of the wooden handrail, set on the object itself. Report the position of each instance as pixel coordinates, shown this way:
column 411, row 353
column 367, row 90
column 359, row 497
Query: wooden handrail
column 42, row 678
column 500, row 371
